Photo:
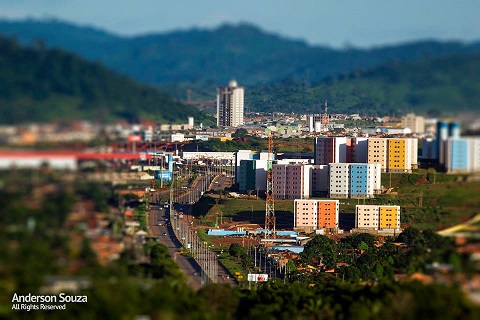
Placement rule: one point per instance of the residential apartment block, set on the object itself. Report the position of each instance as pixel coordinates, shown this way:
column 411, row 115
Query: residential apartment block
column 230, row 104
column 316, row 214
column 414, row 123
column 252, row 175
column 339, row 186
column 462, row 155
column 330, row 150
column 375, row 217
column 394, row 154
column 354, row 180
column 340, row 149
column 319, row 179
column 291, row 181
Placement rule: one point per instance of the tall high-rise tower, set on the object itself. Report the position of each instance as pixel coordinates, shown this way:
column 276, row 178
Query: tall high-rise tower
column 230, row 105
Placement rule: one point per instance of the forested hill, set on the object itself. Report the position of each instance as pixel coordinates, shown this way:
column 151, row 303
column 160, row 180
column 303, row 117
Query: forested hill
column 244, row 52
column 445, row 86
column 42, row 85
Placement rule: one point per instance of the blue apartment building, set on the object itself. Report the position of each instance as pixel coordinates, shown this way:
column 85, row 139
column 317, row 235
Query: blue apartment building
column 358, row 180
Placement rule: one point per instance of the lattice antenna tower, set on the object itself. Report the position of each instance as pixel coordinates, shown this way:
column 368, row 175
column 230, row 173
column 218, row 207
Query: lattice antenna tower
column 325, row 118
column 270, row 200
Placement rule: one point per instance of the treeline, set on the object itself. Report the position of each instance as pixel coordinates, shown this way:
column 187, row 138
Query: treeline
column 38, row 85
column 213, row 57
column 432, row 86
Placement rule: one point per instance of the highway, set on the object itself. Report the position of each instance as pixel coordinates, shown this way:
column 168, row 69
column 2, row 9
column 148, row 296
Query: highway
column 184, row 197
column 189, row 266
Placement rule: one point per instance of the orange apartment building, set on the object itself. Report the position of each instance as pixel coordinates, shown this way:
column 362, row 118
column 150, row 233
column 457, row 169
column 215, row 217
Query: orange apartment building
column 316, row 214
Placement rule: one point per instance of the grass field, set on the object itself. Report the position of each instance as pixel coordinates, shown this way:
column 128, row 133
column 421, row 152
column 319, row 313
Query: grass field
column 428, row 200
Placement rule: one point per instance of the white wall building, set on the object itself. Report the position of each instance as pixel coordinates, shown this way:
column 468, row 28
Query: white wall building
column 339, row 184
column 367, row 217
column 415, row 123
column 230, row 104
column 373, row 217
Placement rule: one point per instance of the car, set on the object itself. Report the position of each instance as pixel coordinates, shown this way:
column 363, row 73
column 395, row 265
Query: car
column 164, row 233
column 159, row 223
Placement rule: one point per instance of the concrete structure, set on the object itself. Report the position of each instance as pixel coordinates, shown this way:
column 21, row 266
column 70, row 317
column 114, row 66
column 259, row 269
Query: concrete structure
column 386, row 130
column 320, row 181
column 354, row 180
column 330, row 150
column 341, row 149
column 230, row 105
column 429, row 149
column 250, row 155
column 291, row 181
column 339, row 184
column 402, row 155
column 456, row 154
column 246, row 179
column 461, row 155
column 177, row 137
column 252, row 175
column 394, row 154
column 375, row 217
column 316, row 214
column 365, row 180
column 357, row 150
column 415, row 123
column 208, row 155
column 366, row 217
column 389, row 217
column 34, row 160
column 377, row 151
column 315, row 123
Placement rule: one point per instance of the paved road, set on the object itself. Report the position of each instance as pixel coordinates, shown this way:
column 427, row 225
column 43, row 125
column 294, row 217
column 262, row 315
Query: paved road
column 223, row 275
column 166, row 237
column 221, row 182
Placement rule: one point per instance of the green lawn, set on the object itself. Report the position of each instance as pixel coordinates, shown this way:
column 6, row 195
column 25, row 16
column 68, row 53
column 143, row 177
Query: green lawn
column 449, row 201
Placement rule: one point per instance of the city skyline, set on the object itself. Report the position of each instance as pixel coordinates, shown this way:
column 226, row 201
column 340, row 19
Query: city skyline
column 332, row 23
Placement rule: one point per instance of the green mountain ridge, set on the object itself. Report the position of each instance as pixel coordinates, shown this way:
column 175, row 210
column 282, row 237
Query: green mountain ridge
column 243, row 51
column 38, row 85
column 433, row 86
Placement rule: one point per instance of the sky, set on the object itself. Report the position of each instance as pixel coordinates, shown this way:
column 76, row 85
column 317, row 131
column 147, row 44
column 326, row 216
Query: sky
column 336, row 23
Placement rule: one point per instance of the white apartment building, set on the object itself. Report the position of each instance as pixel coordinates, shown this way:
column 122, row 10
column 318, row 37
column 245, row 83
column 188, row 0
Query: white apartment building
column 374, row 178
column 230, row 104
column 415, row 123
column 305, row 213
column 339, row 185
column 375, row 217
column 367, row 217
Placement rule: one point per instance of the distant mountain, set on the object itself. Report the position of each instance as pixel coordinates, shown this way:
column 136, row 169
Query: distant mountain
column 435, row 86
column 243, row 52
column 43, row 85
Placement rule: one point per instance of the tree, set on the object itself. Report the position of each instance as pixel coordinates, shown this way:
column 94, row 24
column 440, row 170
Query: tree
column 323, row 248
column 411, row 236
column 237, row 250
column 240, row 133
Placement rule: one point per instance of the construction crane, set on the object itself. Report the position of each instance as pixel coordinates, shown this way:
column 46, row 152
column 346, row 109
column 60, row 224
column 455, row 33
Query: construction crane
column 270, row 200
